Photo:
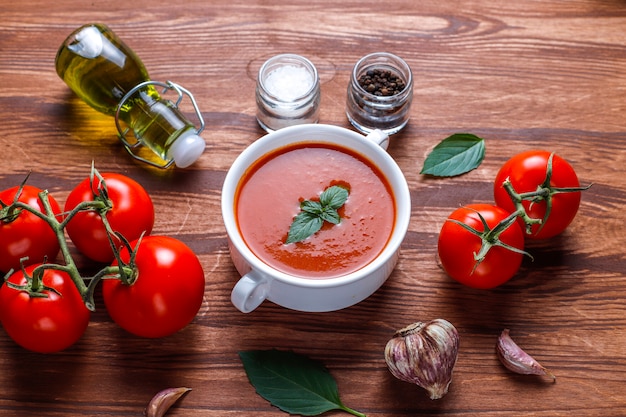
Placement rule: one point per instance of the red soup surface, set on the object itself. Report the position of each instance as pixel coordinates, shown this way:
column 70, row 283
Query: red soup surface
column 269, row 195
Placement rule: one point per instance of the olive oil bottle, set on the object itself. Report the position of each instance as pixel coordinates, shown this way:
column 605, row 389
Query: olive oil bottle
column 108, row 75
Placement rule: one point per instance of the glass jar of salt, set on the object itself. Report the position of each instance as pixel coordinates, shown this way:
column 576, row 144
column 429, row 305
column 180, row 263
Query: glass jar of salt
column 287, row 92
column 380, row 93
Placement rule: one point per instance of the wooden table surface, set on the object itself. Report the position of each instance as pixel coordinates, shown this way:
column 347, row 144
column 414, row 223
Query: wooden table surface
column 522, row 75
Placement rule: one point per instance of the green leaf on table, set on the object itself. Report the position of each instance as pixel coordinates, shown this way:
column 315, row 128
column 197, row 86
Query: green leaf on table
column 292, row 382
column 455, row 155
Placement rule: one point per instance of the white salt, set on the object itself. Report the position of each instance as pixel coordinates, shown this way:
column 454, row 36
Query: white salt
column 289, row 82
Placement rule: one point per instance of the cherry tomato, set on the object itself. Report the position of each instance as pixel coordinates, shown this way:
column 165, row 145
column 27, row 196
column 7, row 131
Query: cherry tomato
column 43, row 324
column 132, row 214
column 166, row 294
column 457, row 247
column 27, row 235
column 527, row 171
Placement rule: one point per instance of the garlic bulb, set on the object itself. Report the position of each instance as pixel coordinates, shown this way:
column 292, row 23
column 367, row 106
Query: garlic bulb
column 424, row 354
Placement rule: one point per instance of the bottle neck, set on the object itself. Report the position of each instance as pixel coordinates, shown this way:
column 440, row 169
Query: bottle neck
column 154, row 121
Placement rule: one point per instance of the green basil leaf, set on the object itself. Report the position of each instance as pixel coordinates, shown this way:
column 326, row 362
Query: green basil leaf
column 294, row 383
column 314, row 213
column 313, row 207
column 334, row 197
column 331, row 216
column 455, row 155
column 303, row 226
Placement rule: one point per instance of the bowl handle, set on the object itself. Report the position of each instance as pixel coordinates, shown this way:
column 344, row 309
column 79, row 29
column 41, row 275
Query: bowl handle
column 379, row 137
column 249, row 292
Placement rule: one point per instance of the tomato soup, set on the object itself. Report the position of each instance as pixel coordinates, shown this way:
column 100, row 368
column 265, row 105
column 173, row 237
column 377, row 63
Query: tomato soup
column 268, row 198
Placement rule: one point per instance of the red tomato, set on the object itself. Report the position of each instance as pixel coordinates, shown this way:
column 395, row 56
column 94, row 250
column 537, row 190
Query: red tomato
column 43, row 324
column 27, row 235
column 166, row 294
column 132, row 214
column 527, row 171
column 457, row 247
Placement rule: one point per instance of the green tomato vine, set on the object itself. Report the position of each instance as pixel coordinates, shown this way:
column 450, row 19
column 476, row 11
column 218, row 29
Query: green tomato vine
column 124, row 271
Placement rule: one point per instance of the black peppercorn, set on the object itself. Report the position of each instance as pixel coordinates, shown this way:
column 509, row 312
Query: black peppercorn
column 381, row 82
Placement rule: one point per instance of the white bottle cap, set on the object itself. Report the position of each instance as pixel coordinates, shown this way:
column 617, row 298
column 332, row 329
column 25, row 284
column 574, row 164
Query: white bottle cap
column 186, row 149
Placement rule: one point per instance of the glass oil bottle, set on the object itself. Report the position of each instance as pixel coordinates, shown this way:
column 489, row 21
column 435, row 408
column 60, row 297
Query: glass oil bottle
column 106, row 74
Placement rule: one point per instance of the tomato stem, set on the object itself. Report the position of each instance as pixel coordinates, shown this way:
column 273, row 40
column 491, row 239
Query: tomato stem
column 490, row 237
column 109, row 272
column 11, row 212
column 34, row 284
column 544, row 192
column 50, row 217
column 126, row 272
column 520, row 210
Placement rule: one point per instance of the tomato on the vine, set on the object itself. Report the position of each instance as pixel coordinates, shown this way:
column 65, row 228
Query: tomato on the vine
column 26, row 235
column 47, row 323
column 131, row 214
column 166, row 294
column 457, row 246
column 527, row 171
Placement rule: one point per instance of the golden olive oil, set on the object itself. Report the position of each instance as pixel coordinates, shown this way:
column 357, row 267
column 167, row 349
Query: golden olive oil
column 101, row 70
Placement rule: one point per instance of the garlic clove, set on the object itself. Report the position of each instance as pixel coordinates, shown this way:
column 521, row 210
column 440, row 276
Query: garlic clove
column 424, row 354
column 163, row 400
column 516, row 360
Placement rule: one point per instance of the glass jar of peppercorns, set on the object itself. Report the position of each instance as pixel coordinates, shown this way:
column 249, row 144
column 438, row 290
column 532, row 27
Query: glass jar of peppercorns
column 380, row 93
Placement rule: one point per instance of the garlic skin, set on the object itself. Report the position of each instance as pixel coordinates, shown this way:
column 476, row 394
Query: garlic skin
column 424, row 354
column 515, row 359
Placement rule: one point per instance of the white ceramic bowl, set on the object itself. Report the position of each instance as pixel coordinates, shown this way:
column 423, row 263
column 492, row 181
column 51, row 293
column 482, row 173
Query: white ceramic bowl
column 260, row 281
